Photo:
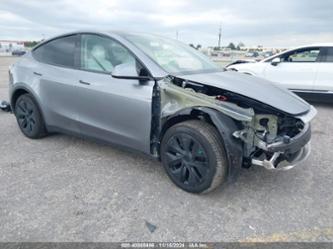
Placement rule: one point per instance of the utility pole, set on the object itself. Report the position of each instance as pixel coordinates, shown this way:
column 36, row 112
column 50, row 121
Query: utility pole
column 177, row 35
column 220, row 35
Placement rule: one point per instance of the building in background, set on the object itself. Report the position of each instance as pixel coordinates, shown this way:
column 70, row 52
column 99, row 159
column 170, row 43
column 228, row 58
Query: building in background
column 8, row 46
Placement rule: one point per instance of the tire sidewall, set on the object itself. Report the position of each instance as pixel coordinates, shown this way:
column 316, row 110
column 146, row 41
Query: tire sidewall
column 212, row 157
column 38, row 129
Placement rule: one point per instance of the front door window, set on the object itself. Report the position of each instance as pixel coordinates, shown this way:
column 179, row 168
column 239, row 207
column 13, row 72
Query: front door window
column 102, row 54
column 302, row 55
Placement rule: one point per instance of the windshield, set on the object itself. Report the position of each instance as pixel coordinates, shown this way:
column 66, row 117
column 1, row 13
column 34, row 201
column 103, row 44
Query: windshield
column 173, row 56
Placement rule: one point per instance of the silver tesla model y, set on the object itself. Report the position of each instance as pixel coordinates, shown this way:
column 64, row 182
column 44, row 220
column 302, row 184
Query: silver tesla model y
column 163, row 98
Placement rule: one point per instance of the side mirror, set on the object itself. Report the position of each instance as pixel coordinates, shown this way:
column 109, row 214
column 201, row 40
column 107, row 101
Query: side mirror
column 276, row 61
column 128, row 71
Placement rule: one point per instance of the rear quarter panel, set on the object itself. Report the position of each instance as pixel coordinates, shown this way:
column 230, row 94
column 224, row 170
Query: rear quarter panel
column 23, row 77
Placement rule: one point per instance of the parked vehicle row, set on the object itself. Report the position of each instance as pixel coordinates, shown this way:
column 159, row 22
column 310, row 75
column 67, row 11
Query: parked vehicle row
column 18, row 52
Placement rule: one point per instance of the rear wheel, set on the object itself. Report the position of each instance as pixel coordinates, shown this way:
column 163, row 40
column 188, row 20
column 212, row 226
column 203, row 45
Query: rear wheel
column 194, row 157
column 29, row 117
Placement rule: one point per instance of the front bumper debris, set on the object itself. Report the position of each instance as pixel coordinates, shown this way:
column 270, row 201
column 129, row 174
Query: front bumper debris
column 298, row 147
column 283, row 153
column 275, row 164
column 290, row 145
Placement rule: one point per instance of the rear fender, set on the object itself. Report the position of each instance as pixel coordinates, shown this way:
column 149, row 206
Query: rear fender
column 23, row 87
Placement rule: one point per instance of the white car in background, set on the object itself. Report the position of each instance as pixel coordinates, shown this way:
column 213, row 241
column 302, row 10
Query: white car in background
column 307, row 70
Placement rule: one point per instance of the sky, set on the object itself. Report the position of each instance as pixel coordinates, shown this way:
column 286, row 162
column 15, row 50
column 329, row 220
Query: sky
column 282, row 23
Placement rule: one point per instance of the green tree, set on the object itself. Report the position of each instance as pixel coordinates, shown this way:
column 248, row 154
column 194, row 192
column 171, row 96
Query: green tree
column 241, row 44
column 30, row 44
column 231, row 46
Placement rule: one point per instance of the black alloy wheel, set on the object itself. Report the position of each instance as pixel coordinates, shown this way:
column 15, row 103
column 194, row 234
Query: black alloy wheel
column 29, row 117
column 194, row 157
column 186, row 159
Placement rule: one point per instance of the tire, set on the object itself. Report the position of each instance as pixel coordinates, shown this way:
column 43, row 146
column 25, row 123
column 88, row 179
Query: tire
column 29, row 117
column 194, row 157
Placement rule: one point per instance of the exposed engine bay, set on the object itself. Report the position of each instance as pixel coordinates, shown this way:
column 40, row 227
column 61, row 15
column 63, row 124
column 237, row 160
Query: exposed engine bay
column 267, row 134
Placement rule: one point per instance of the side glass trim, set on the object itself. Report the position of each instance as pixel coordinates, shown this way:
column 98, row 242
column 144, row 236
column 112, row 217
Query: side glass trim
column 53, row 64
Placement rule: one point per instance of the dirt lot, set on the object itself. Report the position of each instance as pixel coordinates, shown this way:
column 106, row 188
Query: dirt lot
column 63, row 188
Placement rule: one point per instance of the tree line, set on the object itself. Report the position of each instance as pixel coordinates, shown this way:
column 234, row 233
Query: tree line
column 231, row 45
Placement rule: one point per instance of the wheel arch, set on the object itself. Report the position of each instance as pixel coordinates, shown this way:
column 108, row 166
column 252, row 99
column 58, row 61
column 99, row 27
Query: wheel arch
column 246, row 72
column 240, row 70
column 19, row 91
column 224, row 125
column 16, row 94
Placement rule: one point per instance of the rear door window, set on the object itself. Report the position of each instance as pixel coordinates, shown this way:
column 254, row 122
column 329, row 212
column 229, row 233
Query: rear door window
column 59, row 52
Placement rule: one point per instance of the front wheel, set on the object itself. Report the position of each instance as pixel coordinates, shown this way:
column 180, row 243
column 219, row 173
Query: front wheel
column 193, row 156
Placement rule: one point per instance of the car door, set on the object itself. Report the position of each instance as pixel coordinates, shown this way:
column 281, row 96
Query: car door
column 112, row 109
column 56, row 74
column 297, row 69
column 324, row 80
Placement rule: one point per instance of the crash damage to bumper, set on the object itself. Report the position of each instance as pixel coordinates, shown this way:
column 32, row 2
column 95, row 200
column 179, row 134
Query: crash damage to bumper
column 270, row 138
column 267, row 145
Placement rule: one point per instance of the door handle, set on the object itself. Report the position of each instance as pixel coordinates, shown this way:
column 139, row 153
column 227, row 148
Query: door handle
column 84, row 83
column 38, row 74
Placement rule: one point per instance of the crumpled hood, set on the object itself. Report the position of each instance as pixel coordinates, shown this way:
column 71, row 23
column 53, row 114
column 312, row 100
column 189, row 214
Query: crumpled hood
column 253, row 87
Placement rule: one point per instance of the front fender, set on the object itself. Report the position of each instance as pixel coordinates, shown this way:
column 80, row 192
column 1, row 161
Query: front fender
column 226, row 126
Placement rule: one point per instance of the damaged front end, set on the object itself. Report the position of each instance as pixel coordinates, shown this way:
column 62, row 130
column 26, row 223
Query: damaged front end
column 275, row 142
column 269, row 137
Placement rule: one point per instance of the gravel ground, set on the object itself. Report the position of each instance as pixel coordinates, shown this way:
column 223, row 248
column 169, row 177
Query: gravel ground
column 62, row 188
